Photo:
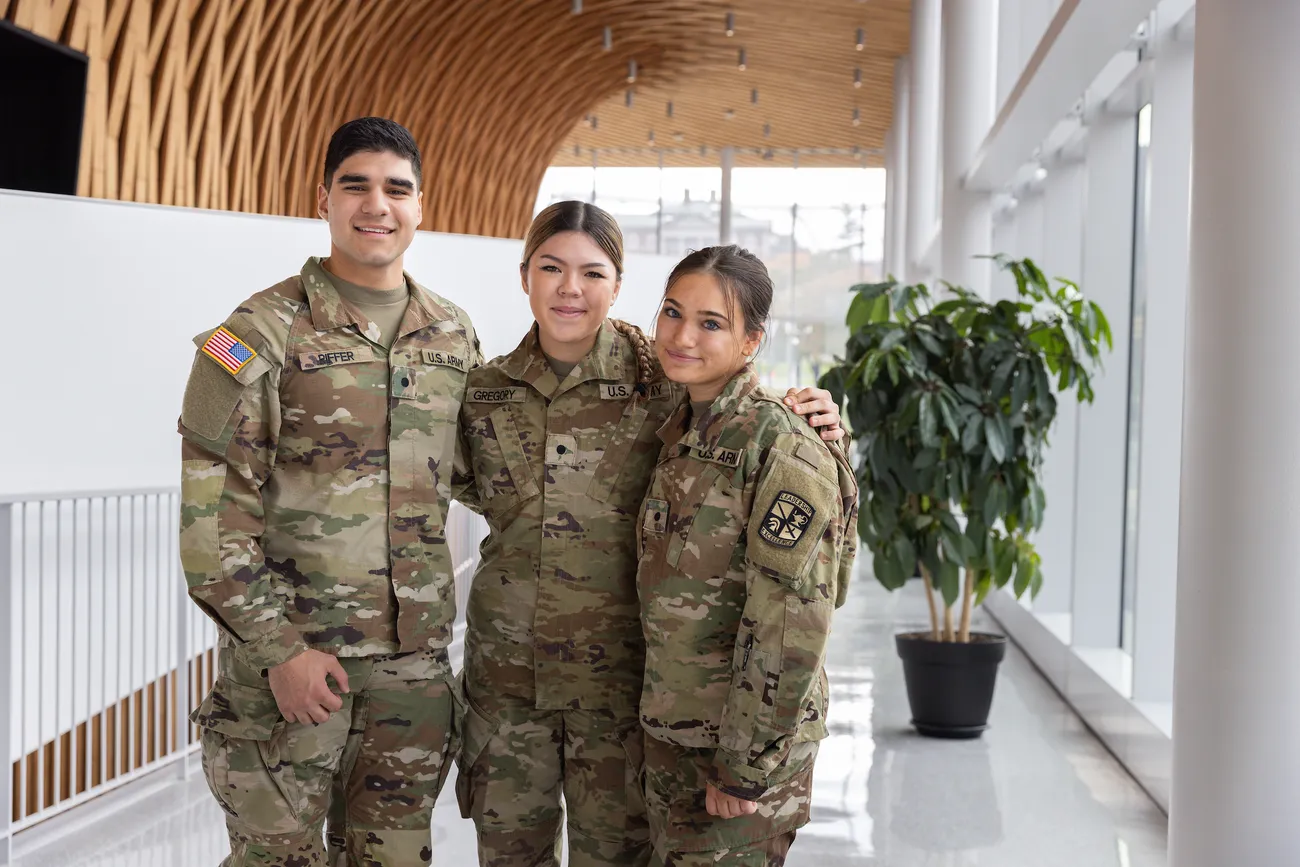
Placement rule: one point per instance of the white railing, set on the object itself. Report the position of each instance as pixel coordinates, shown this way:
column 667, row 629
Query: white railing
column 99, row 642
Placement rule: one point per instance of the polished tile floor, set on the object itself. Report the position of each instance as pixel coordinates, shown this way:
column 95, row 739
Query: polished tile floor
column 1036, row 791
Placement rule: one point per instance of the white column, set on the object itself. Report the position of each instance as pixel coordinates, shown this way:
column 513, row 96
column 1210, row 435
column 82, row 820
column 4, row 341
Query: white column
column 1103, row 425
column 891, row 200
column 922, row 162
column 1236, row 775
column 724, row 215
column 969, row 33
column 902, row 147
column 1010, row 63
column 1163, row 329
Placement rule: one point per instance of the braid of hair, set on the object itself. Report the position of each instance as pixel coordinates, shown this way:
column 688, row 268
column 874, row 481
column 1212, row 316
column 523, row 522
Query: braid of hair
column 647, row 364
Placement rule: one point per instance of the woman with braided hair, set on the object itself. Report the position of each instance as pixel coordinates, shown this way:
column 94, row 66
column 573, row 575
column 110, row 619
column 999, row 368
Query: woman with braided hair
column 561, row 434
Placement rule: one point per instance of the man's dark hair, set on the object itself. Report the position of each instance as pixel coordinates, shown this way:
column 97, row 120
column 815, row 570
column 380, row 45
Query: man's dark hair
column 370, row 135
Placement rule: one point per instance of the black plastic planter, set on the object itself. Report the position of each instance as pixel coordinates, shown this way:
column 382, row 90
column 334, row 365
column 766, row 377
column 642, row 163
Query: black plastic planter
column 950, row 685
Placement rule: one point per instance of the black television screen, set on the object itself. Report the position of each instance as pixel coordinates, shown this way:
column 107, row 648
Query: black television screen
column 42, row 102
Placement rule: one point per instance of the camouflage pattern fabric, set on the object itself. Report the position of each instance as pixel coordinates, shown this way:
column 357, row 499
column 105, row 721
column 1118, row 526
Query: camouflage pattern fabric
column 746, row 539
column 684, row 833
column 317, row 473
column 561, row 468
column 517, row 761
column 388, row 750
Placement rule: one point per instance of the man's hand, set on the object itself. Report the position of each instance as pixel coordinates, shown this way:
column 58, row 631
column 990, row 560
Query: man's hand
column 817, row 406
column 301, row 690
column 725, row 806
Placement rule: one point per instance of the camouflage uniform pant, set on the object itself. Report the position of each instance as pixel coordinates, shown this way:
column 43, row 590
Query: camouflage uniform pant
column 383, row 757
column 517, row 761
column 685, row 835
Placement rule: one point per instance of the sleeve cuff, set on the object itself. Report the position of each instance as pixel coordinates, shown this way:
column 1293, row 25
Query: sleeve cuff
column 729, row 774
column 269, row 650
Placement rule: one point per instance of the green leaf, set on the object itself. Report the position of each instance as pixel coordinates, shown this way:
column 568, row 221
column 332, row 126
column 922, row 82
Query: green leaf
column 892, row 339
column 983, row 584
column 995, row 500
column 892, row 363
column 970, row 438
column 969, row 393
column 993, row 435
column 885, row 564
column 929, row 421
column 1002, row 376
column 949, row 582
column 949, row 417
column 880, row 310
column 859, row 315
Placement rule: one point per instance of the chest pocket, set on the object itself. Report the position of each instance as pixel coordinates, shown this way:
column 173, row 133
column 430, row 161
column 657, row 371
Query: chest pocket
column 706, row 532
column 501, row 468
column 621, row 476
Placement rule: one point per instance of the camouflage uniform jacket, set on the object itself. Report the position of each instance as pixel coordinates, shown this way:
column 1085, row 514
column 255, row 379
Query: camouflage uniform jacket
column 747, row 541
column 316, row 477
column 562, row 467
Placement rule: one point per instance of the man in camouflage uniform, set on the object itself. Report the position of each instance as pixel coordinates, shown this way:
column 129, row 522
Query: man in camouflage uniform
column 320, row 452
column 553, row 652
column 748, row 539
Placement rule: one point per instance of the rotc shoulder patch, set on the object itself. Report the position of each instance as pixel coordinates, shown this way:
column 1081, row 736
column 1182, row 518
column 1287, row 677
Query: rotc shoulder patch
column 228, row 351
column 786, row 520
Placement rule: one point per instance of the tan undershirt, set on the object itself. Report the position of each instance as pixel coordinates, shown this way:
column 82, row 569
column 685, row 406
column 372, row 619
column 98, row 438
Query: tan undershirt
column 384, row 307
column 561, row 368
column 699, row 408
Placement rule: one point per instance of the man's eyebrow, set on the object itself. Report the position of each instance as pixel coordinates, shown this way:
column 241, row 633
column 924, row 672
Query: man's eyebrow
column 404, row 183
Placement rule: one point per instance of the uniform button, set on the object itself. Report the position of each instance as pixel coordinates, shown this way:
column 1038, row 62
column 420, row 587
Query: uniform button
column 405, row 382
column 559, row 450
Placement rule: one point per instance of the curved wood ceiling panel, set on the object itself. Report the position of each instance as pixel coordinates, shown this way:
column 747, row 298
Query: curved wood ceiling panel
column 229, row 103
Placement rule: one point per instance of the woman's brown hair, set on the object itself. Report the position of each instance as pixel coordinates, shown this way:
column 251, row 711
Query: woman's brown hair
column 574, row 216
column 742, row 276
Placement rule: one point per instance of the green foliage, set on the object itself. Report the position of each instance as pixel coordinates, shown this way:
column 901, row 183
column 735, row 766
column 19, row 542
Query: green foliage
column 950, row 403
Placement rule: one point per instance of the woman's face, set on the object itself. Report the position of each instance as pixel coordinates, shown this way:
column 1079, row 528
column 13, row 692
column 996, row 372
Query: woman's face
column 700, row 337
column 571, row 284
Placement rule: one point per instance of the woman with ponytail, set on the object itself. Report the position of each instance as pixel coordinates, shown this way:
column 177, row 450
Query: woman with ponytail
column 562, row 439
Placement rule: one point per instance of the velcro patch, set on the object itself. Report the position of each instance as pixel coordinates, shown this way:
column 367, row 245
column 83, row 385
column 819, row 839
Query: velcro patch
column 228, row 351
column 726, row 457
column 656, row 516
column 786, row 520
column 445, row 359
column 496, row 395
column 332, row 357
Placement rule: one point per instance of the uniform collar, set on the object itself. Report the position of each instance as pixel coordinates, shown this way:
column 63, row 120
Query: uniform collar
column 704, row 431
column 330, row 310
column 604, row 361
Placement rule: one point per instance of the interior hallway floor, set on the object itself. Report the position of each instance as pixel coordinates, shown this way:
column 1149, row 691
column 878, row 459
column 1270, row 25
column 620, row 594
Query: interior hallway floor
column 1038, row 790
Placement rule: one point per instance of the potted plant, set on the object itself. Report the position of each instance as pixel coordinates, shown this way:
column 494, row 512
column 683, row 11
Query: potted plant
column 950, row 402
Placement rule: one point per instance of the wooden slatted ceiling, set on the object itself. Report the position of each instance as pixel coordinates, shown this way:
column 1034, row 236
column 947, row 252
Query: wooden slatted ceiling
column 801, row 58
column 229, row 103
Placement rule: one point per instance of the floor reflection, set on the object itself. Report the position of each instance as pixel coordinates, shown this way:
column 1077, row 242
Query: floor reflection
column 1036, row 791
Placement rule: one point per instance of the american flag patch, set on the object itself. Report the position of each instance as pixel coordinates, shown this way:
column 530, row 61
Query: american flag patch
column 228, row 350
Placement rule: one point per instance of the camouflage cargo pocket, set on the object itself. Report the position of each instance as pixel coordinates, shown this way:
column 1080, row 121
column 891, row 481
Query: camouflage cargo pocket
column 243, row 746
column 477, row 732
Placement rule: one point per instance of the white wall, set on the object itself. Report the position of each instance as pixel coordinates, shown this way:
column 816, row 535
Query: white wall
column 103, row 299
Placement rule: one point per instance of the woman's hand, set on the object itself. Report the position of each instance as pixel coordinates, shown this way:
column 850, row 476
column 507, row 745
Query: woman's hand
column 817, row 406
column 725, row 806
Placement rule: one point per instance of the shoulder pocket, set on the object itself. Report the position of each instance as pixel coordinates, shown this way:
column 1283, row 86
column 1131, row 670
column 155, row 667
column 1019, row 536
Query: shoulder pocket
column 791, row 510
column 613, row 474
column 503, row 472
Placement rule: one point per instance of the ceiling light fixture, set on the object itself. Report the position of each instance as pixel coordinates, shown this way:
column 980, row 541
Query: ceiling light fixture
column 731, row 23
column 627, row 99
column 857, row 77
column 607, row 38
column 577, row 7
column 631, row 71
column 862, row 39
column 753, row 96
column 740, row 61
column 857, row 117
column 767, row 130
